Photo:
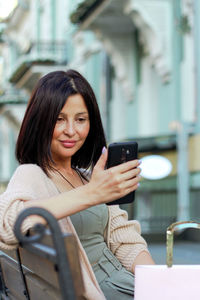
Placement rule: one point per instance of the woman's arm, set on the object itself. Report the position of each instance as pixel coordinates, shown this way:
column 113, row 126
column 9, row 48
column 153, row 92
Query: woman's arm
column 30, row 187
column 125, row 240
column 104, row 186
column 144, row 258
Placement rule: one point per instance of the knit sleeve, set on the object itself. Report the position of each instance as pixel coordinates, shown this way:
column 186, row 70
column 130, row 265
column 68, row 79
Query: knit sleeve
column 10, row 206
column 27, row 183
column 124, row 238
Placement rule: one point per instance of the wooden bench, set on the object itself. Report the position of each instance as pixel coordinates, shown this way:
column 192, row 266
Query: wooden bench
column 39, row 270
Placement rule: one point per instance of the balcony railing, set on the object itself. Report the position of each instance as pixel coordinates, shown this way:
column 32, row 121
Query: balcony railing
column 42, row 53
column 11, row 95
column 52, row 51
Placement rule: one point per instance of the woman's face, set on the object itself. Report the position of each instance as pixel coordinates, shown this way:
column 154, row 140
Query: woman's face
column 71, row 130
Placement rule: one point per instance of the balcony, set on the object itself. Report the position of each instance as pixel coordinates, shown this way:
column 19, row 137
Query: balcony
column 116, row 22
column 41, row 58
column 104, row 15
column 11, row 95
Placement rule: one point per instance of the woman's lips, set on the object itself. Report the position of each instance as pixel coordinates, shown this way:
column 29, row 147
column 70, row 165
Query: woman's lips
column 68, row 144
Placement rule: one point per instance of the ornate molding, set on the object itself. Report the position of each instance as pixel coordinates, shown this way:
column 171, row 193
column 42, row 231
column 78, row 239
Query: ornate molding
column 154, row 35
column 188, row 15
column 149, row 38
column 83, row 51
column 117, row 47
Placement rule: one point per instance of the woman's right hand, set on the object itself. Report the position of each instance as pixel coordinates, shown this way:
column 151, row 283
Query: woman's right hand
column 113, row 183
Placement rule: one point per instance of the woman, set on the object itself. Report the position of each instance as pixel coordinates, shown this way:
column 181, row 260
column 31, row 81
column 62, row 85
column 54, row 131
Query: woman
column 62, row 134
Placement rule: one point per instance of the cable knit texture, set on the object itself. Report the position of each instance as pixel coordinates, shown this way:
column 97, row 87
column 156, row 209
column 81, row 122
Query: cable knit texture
column 124, row 237
column 29, row 182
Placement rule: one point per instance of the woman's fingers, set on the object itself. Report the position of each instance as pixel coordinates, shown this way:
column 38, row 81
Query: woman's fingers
column 130, row 174
column 131, row 184
column 125, row 172
column 124, row 167
column 120, row 177
column 122, row 189
column 125, row 179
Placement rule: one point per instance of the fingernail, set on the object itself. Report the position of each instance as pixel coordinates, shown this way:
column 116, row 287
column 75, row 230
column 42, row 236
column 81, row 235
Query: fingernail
column 139, row 162
column 103, row 150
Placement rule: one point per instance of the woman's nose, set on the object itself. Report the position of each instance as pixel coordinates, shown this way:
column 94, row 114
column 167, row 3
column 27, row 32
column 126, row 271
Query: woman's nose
column 69, row 128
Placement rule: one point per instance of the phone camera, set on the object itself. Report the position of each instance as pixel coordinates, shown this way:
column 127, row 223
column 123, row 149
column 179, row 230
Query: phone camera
column 123, row 155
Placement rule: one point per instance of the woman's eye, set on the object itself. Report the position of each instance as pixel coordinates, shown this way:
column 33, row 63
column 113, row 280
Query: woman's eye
column 81, row 120
column 60, row 119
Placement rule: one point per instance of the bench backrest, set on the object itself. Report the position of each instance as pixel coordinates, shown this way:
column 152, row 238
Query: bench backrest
column 41, row 273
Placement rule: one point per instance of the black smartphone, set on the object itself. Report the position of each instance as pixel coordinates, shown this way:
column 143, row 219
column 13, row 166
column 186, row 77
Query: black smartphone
column 119, row 153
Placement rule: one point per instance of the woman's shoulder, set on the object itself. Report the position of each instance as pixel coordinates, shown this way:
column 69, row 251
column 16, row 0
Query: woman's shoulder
column 27, row 168
column 30, row 177
column 28, row 172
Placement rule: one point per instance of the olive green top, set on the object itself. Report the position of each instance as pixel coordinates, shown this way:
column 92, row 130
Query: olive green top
column 90, row 225
column 115, row 281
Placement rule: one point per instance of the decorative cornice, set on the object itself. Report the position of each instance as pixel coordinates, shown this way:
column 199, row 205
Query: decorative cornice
column 118, row 50
column 83, row 10
column 149, row 38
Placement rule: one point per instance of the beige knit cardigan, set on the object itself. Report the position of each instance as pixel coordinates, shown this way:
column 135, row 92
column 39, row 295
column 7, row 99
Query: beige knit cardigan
column 29, row 182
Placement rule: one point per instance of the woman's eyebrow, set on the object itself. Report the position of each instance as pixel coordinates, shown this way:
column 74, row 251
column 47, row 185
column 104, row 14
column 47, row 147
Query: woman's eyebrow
column 82, row 113
column 79, row 113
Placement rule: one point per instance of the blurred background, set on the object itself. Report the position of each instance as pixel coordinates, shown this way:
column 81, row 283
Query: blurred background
column 142, row 60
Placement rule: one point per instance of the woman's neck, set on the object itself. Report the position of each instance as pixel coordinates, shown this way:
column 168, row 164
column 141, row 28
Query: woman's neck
column 63, row 167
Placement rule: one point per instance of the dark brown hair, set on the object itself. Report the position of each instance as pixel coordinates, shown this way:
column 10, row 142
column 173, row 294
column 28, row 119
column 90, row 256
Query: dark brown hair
column 46, row 102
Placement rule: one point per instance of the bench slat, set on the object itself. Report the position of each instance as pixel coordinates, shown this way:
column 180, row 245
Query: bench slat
column 40, row 273
column 12, row 278
column 37, row 287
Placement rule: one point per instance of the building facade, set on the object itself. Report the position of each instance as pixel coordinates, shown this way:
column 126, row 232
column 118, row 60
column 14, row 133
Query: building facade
column 148, row 49
column 141, row 58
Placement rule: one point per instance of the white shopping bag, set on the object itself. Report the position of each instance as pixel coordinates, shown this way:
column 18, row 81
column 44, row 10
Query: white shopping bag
column 161, row 282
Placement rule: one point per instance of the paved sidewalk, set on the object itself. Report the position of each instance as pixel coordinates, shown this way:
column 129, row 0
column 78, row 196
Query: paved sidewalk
column 185, row 252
